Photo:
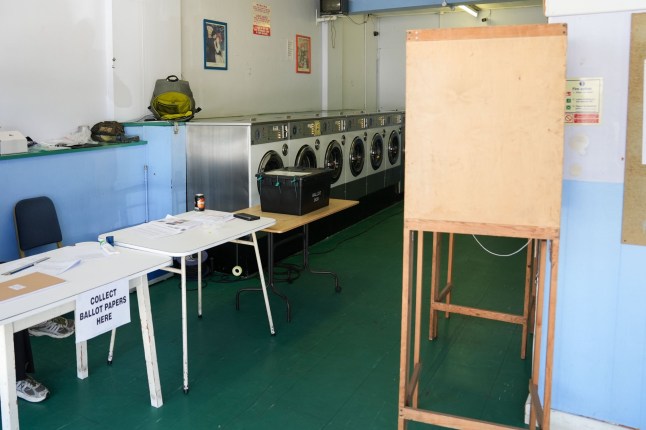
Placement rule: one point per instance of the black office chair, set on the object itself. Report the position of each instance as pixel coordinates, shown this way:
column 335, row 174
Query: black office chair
column 36, row 224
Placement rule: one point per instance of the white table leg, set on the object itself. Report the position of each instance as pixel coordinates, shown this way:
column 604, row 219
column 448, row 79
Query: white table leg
column 81, row 360
column 8, row 397
column 113, row 336
column 199, row 284
column 184, row 326
column 148, row 335
column 264, row 286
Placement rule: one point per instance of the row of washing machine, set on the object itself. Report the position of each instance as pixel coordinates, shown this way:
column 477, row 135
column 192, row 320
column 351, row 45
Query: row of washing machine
column 224, row 155
column 364, row 151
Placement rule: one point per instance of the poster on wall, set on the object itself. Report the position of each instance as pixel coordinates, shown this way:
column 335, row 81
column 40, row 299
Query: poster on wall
column 261, row 19
column 215, row 45
column 303, row 54
column 583, row 101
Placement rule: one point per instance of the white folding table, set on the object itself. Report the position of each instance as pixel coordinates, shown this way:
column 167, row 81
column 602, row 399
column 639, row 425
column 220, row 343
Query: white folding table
column 21, row 312
column 194, row 241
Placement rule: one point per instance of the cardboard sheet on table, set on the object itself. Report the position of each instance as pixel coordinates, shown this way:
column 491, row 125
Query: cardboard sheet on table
column 31, row 282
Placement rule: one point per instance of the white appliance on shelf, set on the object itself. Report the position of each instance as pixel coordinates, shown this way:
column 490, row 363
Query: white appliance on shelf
column 12, row 142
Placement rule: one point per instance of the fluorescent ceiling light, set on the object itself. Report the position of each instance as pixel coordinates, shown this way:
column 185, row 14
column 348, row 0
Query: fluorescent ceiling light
column 469, row 9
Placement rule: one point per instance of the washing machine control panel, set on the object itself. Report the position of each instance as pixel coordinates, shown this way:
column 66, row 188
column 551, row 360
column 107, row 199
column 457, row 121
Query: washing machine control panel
column 269, row 132
column 305, row 128
column 338, row 125
column 359, row 122
column 382, row 120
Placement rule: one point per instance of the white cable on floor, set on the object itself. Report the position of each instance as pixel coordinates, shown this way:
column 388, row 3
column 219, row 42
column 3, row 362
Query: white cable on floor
column 501, row 255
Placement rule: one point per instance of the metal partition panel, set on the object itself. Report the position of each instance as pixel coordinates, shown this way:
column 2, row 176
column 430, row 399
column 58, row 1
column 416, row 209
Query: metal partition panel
column 217, row 165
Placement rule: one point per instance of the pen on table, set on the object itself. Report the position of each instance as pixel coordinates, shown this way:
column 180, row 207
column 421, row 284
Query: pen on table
column 26, row 266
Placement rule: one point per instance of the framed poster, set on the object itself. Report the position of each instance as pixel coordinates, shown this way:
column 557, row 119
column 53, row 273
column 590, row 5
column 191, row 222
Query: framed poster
column 303, row 54
column 215, row 45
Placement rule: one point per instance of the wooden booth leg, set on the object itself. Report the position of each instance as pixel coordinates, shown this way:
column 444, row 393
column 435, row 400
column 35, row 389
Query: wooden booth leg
column 549, row 353
column 449, row 276
column 435, row 280
column 527, row 299
column 536, row 412
column 413, row 390
column 405, row 392
column 535, row 272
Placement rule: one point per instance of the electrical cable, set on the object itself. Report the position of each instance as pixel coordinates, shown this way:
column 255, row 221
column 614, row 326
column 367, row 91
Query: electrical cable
column 365, row 20
column 501, row 255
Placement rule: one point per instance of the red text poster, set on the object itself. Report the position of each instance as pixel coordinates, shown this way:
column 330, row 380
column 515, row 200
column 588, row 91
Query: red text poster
column 261, row 19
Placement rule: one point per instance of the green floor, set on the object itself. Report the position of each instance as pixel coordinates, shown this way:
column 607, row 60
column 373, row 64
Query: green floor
column 335, row 366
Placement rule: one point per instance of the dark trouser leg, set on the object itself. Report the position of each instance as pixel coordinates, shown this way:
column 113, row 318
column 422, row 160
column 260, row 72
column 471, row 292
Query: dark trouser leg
column 23, row 354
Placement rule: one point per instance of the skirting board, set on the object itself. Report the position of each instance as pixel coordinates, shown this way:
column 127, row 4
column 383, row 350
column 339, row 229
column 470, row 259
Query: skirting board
column 564, row 421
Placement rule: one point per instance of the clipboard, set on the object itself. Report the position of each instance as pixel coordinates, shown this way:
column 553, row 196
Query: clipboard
column 27, row 284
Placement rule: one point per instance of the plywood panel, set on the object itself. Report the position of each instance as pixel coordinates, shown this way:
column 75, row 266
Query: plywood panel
column 634, row 213
column 484, row 125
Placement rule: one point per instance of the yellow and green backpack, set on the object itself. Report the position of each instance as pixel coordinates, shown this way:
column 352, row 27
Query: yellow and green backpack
column 173, row 100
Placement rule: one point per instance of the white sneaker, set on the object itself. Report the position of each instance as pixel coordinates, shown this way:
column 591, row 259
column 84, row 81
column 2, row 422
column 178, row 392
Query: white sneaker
column 57, row 328
column 31, row 390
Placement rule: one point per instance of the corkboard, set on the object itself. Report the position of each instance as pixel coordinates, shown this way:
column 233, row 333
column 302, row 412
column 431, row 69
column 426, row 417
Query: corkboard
column 633, row 229
column 484, row 125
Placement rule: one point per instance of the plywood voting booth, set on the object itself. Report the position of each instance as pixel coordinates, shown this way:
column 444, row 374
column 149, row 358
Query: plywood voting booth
column 484, row 156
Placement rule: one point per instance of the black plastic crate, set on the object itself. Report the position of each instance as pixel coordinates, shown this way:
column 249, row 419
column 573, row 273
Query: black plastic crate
column 294, row 190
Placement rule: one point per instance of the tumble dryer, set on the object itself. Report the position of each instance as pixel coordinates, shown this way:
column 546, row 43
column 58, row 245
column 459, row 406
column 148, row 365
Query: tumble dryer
column 394, row 150
column 377, row 153
column 269, row 151
column 305, row 148
column 357, row 155
column 333, row 142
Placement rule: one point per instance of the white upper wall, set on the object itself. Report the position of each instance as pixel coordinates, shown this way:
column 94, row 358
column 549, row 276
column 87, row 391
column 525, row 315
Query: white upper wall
column 392, row 42
column 147, row 47
column 55, row 72
column 261, row 75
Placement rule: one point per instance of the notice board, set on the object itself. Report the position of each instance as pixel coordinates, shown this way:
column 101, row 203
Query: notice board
column 633, row 230
column 484, row 126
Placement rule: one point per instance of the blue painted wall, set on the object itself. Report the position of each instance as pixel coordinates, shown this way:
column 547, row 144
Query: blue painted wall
column 600, row 350
column 166, row 161
column 95, row 191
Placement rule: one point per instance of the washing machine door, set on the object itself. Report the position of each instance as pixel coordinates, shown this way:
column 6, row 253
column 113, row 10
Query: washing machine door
column 270, row 161
column 376, row 151
column 357, row 156
column 393, row 147
column 306, row 157
column 334, row 160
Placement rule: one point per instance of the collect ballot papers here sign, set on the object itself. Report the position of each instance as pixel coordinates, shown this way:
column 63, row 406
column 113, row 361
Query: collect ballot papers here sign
column 101, row 310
